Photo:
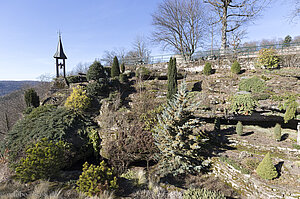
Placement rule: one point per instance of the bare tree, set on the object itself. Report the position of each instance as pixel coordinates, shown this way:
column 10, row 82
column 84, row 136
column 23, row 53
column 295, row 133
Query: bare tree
column 80, row 68
column 235, row 38
column 233, row 14
column 109, row 56
column 180, row 25
column 140, row 52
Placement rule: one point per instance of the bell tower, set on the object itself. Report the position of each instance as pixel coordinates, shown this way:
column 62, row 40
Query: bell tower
column 60, row 58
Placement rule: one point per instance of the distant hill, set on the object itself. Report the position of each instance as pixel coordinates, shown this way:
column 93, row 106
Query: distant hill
column 7, row 87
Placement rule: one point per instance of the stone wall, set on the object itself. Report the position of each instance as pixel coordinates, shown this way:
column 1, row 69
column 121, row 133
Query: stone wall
column 249, row 185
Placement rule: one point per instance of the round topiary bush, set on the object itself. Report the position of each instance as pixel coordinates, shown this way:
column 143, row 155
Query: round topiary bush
column 236, row 67
column 96, row 71
column 266, row 169
column 239, row 128
column 207, row 69
column 277, row 132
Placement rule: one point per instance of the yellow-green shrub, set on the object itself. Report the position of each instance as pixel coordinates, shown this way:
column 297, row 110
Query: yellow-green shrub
column 242, row 104
column 78, row 100
column 268, row 58
column 266, row 169
column 43, row 160
column 94, row 180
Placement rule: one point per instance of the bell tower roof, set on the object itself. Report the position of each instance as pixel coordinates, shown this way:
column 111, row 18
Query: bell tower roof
column 60, row 51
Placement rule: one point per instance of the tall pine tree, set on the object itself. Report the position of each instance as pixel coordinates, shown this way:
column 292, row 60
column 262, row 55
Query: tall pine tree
column 177, row 137
column 172, row 78
column 115, row 69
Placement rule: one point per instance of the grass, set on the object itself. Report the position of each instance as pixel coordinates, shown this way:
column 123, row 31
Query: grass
column 235, row 164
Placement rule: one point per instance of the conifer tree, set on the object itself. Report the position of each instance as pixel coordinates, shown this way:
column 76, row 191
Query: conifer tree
column 115, row 69
column 177, row 138
column 239, row 128
column 31, row 98
column 172, row 78
column 122, row 67
column 277, row 132
column 266, row 169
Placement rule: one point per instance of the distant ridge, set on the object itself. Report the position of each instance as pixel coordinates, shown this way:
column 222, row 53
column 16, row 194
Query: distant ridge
column 7, row 87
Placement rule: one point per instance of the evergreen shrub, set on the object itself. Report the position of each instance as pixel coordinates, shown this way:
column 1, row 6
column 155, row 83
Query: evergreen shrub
column 96, row 71
column 268, row 58
column 194, row 193
column 177, row 138
column 266, row 169
column 242, row 104
column 207, row 69
column 235, row 67
column 54, row 123
column 143, row 72
column 115, row 68
column 43, row 160
column 76, row 79
column 123, row 78
column 239, row 128
column 31, row 98
column 78, row 100
column 99, row 88
column 172, row 78
column 253, row 84
column 277, row 132
column 94, row 180
column 122, row 67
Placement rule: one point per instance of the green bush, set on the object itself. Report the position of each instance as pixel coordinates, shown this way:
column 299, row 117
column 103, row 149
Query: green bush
column 115, row 68
column 180, row 145
column 143, row 72
column 239, row 128
column 207, row 69
column 268, row 58
column 236, row 67
column 96, row 71
column 266, row 169
column 94, row 180
column 78, row 100
column 277, row 132
column 172, row 78
column 54, row 123
column 123, row 78
column 194, row 193
column 43, row 160
column 290, row 106
column 254, row 85
column 97, row 88
column 31, row 98
column 76, row 79
column 242, row 104
column 122, row 67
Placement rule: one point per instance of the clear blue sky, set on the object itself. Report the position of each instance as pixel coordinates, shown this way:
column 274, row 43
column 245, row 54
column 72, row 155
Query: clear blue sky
column 28, row 36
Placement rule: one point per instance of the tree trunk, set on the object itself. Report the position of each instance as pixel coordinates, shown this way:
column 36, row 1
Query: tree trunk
column 224, row 28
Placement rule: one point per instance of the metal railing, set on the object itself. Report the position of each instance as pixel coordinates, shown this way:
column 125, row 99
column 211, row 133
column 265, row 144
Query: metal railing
column 242, row 52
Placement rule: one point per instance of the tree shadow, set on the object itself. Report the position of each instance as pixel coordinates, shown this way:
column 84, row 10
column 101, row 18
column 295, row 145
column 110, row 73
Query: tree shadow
column 284, row 137
column 248, row 133
column 278, row 167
